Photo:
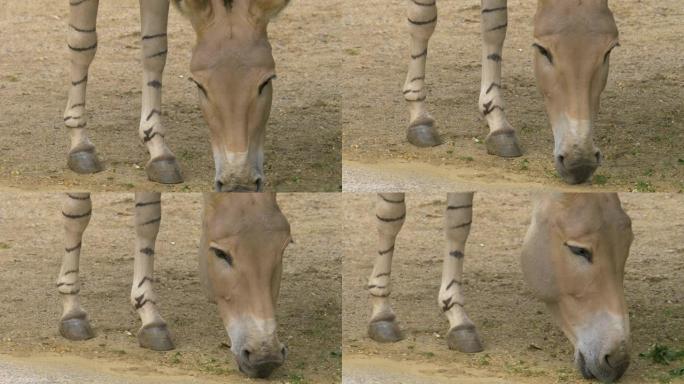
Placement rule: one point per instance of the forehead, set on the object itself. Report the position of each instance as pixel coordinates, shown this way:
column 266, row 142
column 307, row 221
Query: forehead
column 586, row 215
column 573, row 18
column 244, row 216
column 216, row 51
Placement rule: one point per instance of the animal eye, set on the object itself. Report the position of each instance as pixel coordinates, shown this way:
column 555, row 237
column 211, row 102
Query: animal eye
column 223, row 255
column 579, row 251
column 544, row 52
column 265, row 83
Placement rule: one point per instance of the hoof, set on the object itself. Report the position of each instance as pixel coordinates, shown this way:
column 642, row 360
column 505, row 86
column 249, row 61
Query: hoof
column 76, row 329
column 384, row 331
column 84, row 161
column 155, row 337
column 464, row 338
column 503, row 143
column 422, row 133
column 164, row 171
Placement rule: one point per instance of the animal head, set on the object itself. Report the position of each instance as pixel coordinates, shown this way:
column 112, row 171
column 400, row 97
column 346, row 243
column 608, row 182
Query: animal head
column 573, row 259
column 573, row 42
column 233, row 68
column 243, row 241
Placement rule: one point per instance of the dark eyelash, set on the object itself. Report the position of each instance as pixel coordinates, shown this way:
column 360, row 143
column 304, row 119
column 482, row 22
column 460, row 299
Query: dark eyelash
column 223, row 255
column 265, row 83
column 579, row 251
column 544, row 52
column 201, row 88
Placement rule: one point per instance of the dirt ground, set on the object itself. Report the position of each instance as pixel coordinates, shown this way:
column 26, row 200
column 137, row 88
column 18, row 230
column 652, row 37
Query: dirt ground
column 521, row 343
column 640, row 128
column 31, row 248
column 303, row 136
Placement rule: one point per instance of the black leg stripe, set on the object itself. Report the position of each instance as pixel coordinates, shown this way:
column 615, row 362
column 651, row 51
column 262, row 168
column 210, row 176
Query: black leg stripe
column 152, row 113
column 456, row 254
column 494, row 56
column 502, row 26
column 155, row 84
column 144, row 280
column 147, row 251
column 390, row 249
column 79, row 49
column 494, row 9
column 147, row 203
column 161, row 53
column 76, row 216
column 78, row 246
column 83, row 30
column 147, row 37
column 452, row 207
column 424, row 53
column 391, row 219
column 414, row 22
column 153, row 221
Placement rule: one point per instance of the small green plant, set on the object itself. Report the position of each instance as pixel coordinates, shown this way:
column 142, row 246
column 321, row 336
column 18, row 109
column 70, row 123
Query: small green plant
column 524, row 165
column 644, row 186
column 662, row 354
column 295, row 378
column 600, row 179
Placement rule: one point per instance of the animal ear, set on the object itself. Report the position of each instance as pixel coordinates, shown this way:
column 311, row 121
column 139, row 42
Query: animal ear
column 264, row 10
column 198, row 11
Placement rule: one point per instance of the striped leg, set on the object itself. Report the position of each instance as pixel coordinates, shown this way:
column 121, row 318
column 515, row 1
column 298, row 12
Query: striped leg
column 502, row 140
column 462, row 334
column 162, row 166
column 153, row 334
column 82, row 42
column 390, row 212
column 74, row 323
column 422, row 19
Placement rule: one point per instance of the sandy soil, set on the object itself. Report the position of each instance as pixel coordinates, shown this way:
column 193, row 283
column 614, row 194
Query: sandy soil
column 522, row 345
column 639, row 130
column 31, row 249
column 304, row 132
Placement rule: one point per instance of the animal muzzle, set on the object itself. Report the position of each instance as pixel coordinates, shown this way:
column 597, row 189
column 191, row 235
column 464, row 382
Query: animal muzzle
column 606, row 366
column 576, row 168
column 239, row 172
column 262, row 360
column 602, row 348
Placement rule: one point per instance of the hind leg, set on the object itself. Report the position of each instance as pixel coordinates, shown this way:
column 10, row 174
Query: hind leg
column 82, row 43
column 73, row 324
column 422, row 19
column 153, row 333
column 462, row 333
column 162, row 166
column 390, row 213
column 502, row 139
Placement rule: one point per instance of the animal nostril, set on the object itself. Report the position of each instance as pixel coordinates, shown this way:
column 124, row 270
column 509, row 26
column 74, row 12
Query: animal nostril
column 607, row 360
column 246, row 353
